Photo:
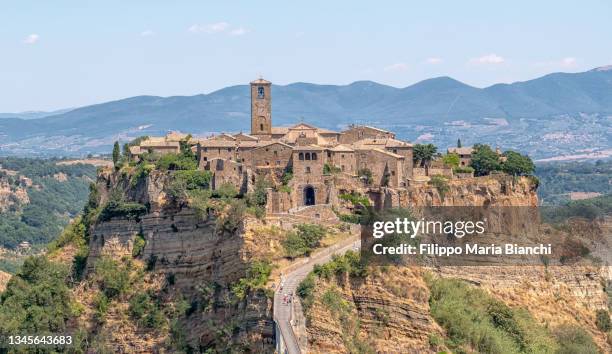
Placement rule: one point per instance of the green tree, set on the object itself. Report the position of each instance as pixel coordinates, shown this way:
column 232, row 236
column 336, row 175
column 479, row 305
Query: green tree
column 126, row 150
column 116, row 153
column 424, row 154
column 484, row 160
column 517, row 164
column 458, row 143
column 37, row 299
column 451, row 159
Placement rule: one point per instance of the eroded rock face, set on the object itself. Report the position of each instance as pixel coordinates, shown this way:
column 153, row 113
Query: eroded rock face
column 498, row 190
column 202, row 260
column 387, row 311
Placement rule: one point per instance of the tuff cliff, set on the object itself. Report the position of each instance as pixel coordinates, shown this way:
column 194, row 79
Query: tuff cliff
column 388, row 309
column 494, row 190
column 188, row 260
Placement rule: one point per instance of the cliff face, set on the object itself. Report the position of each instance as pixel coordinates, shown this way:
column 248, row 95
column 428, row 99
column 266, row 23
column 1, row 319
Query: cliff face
column 498, row 190
column 391, row 304
column 387, row 311
column 202, row 260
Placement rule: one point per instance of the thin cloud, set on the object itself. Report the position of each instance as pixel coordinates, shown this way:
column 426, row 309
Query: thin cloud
column 564, row 63
column 568, row 62
column 211, row 28
column 488, row 59
column 31, row 39
column 147, row 33
column 240, row 31
column 396, row 67
column 434, row 60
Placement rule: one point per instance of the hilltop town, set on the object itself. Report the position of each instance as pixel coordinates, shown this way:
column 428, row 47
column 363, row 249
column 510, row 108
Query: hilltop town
column 321, row 164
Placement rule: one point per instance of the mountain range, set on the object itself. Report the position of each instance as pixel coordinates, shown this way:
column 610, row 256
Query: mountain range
column 571, row 111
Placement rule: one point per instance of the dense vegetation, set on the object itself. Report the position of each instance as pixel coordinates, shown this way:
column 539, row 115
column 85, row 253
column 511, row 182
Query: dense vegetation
column 557, row 179
column 37, row 300
column 474, row 320
column 485, row 160
column 590, row 209
column 52, row 202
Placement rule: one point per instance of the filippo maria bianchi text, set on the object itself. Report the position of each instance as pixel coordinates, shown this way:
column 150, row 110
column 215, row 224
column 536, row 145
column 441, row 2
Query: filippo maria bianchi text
column 434, row 249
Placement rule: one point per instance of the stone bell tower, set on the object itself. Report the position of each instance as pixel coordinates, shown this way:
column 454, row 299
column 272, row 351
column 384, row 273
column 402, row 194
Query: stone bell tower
column 261, row 107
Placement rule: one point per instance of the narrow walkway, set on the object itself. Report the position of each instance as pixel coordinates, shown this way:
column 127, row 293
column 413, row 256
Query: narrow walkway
column 289, row 340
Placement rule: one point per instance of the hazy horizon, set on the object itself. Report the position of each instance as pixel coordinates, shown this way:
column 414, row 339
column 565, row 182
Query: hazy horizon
column 67, row 54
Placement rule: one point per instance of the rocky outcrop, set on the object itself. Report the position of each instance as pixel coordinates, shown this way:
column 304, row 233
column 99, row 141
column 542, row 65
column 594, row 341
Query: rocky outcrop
column 387, row 311
column 4, row 278
column 202, row 259
column 498, row 190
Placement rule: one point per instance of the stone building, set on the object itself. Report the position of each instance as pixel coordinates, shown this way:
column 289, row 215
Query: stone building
column 465, row 154
column 323, row 162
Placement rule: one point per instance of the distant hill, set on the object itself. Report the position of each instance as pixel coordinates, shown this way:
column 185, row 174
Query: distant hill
column 417, row 110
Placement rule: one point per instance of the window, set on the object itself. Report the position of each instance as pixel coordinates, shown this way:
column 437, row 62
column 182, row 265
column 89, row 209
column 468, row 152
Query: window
column 205, row 149
column 229, row 149
column 277, row 163
column 267, row 163
column 261, row 127
column 275, row 153
column 260, row 92
column 342, row 155
column 314, row 155
column 205, row 158
column 307, row 156
column 395, row 151
column 329, row 154
column 307, row 169
column 301, row 156
column 392, row 173
column 342, row 168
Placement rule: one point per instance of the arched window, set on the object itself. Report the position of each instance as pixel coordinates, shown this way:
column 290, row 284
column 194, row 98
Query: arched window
column 301, row 156
column 314, row 155
column 260, row 92
column 307, row 156
column 261, row 127
column 307, row 169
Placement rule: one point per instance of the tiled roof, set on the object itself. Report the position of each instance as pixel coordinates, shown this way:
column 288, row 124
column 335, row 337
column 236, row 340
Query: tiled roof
column 310, row 147
column 280, row 130
column 342, row 148
column 461, row 150
column 159, row 144
column 217, row 143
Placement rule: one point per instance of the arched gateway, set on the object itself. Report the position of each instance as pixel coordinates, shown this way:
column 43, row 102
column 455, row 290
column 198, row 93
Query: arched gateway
column 309, row 195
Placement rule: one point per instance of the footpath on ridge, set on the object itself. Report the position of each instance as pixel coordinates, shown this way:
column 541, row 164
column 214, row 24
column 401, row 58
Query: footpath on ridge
column 290, row 325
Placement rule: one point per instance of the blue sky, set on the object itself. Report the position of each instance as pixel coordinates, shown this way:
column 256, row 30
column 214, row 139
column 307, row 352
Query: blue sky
column 58, row 54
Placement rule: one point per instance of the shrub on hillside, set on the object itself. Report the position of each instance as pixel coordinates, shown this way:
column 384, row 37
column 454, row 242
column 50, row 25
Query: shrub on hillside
column 602, row 320
column 473, row 319
column 257, row 276
column 303, row 240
